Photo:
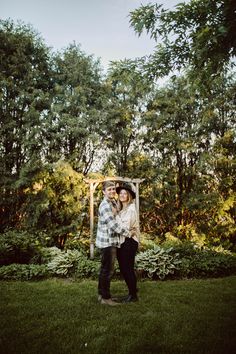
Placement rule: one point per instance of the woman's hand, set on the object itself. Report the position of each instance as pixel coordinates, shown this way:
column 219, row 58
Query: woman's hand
column 133, row 232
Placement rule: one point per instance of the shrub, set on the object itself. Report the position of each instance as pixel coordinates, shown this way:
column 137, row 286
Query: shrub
column 81, row 244
column 65, row 263
column 87, row 268
column 47, row 254
column 19, row 247
column 185, row 260
column 207, row 263
column 73, row 263
column 23, row 272
column 157, row 262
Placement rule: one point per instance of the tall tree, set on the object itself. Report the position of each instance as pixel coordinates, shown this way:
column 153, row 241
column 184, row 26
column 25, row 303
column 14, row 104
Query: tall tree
column 127, row 92
column 191, row 141
column 199, row 33
column 24, row 95
column 71, row 128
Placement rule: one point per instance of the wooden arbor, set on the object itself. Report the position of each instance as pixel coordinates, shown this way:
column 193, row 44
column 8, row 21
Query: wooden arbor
column 93, row 185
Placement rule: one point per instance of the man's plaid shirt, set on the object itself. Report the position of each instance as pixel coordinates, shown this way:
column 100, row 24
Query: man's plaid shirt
column 108, row 230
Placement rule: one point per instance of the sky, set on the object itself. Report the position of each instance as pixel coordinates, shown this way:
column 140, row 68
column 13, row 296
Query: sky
column 101, row 27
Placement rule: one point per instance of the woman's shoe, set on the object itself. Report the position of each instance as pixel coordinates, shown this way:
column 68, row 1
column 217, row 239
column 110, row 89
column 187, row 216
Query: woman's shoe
column 130, row 298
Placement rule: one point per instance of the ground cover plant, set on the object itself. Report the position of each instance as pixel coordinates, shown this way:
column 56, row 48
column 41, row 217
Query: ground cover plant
column 24, row 257
column 63, row 316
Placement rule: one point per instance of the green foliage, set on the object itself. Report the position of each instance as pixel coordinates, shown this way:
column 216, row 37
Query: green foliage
column 47, row 254
column 202, row 261
column 65, row 263
column 87, row 268
column 206, row 263
column 61, row 121
column 71, row 129
column 192, row 172
column 19, row 247
column 56, row 202
column 23, row 272
column 199, row 33
column 127, row 89
column 157, row 262
column 80, row 243
column 73, row 263
column 25, row 87
column 185, row 260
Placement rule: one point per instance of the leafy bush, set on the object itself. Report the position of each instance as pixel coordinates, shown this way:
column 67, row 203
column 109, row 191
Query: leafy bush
column 87, row 268
column 47, row 254
column 157, row 262
column 23, row 272
column 65, row 263
column 207, row 263
column 147, row 244
column 184, row 249
column 81, row 244
column 185, row 260
column 19, row 247
column 73, row 263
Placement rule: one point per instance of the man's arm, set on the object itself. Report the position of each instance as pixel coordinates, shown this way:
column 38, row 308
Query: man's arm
column 109, row 219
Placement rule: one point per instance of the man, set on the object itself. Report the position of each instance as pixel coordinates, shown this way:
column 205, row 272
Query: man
column 107, row 240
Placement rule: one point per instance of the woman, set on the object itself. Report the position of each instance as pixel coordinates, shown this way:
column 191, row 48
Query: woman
column 128, row 245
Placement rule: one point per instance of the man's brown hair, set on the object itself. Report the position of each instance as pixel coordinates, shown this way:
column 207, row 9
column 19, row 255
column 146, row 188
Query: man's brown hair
column 107, row 184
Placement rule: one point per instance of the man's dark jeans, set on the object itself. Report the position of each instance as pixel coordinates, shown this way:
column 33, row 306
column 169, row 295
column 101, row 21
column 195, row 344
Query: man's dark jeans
column 108, row 256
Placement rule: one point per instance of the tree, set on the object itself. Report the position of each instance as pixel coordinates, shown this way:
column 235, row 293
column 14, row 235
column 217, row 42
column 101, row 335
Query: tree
column 127, row 92
column 71, row 127
column 25, row 87
column 56, row 202
column 200, row 34
column 190, row 140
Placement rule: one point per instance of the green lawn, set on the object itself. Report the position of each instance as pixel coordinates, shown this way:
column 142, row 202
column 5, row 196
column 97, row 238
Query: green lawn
column 59, row 316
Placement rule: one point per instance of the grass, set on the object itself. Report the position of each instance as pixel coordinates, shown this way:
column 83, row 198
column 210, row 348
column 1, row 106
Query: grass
column 58, row 316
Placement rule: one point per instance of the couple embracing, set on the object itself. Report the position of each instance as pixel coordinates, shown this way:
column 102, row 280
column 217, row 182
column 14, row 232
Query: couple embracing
column 117, row 236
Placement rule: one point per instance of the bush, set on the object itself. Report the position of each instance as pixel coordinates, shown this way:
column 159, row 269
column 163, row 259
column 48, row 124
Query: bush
column 47, row 254
column 81, row 244
column 207, row 263
column 19, row 247
column 23, row 272
column 73, row 263
column 65, row 263
column 87, row 268
column 185, row 260
column 157, row 262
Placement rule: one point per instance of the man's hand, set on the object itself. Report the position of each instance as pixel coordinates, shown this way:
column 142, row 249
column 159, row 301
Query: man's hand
column 114, row 211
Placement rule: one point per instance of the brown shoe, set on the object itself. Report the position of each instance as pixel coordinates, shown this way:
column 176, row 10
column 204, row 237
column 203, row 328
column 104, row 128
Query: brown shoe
column 109, row 302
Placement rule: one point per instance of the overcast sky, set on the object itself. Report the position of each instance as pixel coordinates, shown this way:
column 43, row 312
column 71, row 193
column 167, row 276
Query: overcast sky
column 101, row 27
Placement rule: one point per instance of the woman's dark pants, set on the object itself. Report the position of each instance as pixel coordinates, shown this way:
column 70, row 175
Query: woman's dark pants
column 126, row 257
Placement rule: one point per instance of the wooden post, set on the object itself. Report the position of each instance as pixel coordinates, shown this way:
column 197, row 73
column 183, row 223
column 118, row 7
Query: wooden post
column 91, row 222
column 137, row 207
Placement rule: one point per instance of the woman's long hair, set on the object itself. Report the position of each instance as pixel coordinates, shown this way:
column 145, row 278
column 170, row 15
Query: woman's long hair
column 130, row 200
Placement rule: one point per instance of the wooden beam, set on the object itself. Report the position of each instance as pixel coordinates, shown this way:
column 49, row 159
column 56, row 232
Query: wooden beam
column 115, row 178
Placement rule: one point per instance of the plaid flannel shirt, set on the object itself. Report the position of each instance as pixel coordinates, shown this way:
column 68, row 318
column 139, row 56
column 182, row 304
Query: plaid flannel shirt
column 109, row 229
